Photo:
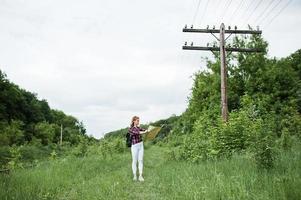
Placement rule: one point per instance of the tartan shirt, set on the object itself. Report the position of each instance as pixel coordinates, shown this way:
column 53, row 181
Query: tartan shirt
column 135, row 134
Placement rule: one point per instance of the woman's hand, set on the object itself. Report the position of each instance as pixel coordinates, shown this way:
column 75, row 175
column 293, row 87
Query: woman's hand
column 142, row 132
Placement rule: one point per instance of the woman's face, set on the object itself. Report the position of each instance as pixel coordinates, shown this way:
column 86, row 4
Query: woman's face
column 136, row 122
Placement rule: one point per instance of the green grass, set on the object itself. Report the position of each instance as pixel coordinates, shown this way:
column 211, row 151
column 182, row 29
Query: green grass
column 95, row 178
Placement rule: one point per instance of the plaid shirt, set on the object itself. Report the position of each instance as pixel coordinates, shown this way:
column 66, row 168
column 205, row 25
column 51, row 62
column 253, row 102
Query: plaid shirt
column 135, row 134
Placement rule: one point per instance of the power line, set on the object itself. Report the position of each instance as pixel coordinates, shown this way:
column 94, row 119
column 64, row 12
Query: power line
column 251, row 14
column 245, row 10
column 239, row 16
column 196, row 12
column 220, row 7
column 237, row 8
column 265, row 9
column 249, row 6
column 271, row 10
column 226, row 9
column 215, row 7
column 280, row 11
column 203, row 14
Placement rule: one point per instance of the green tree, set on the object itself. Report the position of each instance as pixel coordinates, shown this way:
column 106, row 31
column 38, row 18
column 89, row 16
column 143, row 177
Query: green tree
column 45, row 132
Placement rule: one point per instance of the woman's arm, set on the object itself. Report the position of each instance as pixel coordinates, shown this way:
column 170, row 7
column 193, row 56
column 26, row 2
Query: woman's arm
column 142, row 130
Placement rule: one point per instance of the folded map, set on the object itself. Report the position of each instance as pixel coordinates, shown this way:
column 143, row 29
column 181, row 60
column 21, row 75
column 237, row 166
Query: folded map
column 152, row 132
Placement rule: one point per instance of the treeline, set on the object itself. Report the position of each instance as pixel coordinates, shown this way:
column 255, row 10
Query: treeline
column 24, row 119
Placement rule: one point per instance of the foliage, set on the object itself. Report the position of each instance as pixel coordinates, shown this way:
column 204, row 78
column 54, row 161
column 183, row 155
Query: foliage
column 25, row 118
column 12, row 133
column 15, row 158
column 53, row 155
column 264, row 108
column 92, row 177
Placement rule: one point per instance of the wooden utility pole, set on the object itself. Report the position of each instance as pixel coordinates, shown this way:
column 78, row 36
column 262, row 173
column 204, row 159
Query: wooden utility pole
column 222, row 48
column 223, row 73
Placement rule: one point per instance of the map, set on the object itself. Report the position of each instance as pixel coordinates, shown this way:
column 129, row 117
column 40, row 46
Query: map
column 152, row 132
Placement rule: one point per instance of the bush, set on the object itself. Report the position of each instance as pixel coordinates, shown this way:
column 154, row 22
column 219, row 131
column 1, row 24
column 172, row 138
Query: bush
column 262, row 143
column 81, row 149
column 11, row 133
column 107, row 147
column 212, row 138
column 15, row 158
column 45, row 132
column 244, row 131
column 175, row 154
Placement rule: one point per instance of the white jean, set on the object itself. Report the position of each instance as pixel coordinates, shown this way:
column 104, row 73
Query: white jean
column 137, row 155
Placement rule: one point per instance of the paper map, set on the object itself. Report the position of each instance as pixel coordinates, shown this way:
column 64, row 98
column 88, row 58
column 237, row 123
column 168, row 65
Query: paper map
column 153, row 132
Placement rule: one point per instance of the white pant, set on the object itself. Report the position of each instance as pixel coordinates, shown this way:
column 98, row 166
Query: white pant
column 137, row 155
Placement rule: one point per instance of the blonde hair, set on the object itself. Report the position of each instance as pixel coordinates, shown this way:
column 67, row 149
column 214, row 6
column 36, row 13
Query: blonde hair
column 133, row 119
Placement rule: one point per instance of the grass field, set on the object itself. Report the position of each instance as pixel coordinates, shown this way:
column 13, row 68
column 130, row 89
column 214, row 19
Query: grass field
column 94, row 178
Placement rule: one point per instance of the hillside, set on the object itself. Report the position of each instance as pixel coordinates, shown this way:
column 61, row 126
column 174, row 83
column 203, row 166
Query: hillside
column 28, row 123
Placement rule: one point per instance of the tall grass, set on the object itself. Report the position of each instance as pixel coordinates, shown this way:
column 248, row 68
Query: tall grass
column 93, row 177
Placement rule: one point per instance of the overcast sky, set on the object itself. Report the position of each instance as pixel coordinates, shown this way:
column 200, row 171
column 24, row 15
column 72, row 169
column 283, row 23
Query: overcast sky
column 104, row 61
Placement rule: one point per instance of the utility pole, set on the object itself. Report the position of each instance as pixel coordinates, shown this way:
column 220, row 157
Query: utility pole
column 222, row 48
column 223, row 74
column 61, row 140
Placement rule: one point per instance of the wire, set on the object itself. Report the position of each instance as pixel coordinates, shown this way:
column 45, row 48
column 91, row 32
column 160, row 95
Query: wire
column 203, row 14
column 241, row 15
column 278, row 13
column 249, row 6
column 197, row 11
column 244, row 11
column 268, row 14
column 238, row 7
column 219, row 5
column 262, row 13
column 226, row 9
column 251, row 14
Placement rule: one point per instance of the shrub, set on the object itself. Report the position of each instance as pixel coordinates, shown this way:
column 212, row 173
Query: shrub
column 243, row 132
column 12, row 133
column 212, row 138
column 262, row 143
column 15, row 158
column 81, row 149
column 173, row 154
column 45, row 132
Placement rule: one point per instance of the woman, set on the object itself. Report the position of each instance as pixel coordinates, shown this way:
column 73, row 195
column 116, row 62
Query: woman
column 137, row 147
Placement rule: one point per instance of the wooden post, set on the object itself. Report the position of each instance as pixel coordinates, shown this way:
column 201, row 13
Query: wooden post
column 61, row 140
column 224, row 103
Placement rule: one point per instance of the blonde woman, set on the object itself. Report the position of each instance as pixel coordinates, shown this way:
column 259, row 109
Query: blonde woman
column 137, row 148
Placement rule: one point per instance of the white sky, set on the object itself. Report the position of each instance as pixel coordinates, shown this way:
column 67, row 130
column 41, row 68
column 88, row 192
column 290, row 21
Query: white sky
column 104, row 61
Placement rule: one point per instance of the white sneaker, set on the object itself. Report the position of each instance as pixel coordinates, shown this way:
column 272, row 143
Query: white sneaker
column 141, row 178
column 135, row 178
